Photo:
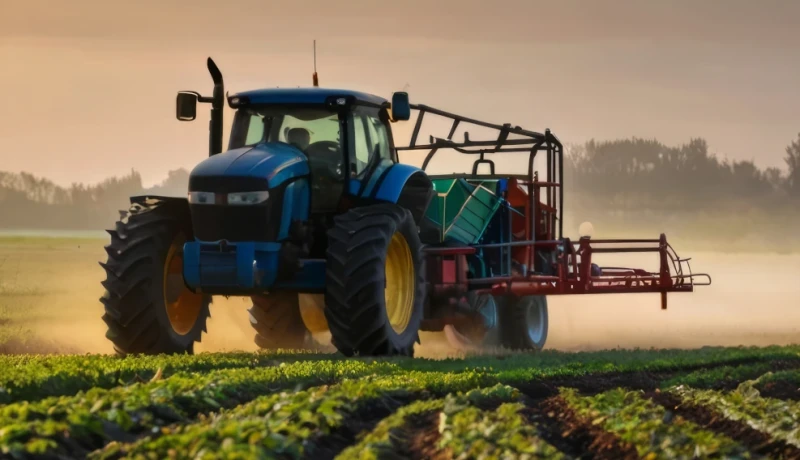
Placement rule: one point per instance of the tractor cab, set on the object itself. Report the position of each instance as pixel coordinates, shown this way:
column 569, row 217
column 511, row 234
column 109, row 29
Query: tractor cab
column 342, row 143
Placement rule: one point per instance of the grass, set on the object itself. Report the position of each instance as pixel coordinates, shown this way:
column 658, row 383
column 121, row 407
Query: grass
column 41, row 279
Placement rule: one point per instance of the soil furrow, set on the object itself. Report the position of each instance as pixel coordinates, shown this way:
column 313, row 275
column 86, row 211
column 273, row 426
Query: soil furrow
column 424, row 437
column 780, row 390
column 573, row 435
column 362, row 420
column 757, row 441
column 592, row 384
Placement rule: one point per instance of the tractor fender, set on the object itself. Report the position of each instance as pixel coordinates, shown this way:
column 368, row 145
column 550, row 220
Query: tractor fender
column 178, row 206
column 407, row 186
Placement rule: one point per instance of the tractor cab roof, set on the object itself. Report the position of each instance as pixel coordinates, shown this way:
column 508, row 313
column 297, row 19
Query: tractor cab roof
column 304, row 96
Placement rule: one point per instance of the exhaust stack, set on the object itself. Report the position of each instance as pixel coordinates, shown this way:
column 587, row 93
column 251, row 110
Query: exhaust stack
column 186, row 108
column 217, row 104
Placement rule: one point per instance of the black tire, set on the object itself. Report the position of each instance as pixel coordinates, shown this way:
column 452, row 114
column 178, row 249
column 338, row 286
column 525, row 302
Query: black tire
column 527, row 324
column 137, row 280
column 483, row 328
column 355, row 303
column 277, row 321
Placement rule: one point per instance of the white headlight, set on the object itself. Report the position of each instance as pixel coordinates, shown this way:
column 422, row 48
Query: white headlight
column 246, row 198
column 201, row 198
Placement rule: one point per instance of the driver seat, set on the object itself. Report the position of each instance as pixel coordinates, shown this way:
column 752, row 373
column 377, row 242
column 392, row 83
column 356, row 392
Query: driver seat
column 299, row 137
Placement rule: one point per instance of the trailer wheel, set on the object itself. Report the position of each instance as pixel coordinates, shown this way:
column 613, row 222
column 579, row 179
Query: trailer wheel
column 374, row 281
column 277, row 321
column 148, row 308
column 481, row 330
column 528, row 323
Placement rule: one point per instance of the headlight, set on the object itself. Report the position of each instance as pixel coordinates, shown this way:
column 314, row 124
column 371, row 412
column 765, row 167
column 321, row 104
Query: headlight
column 201, row 197
column 247, row 198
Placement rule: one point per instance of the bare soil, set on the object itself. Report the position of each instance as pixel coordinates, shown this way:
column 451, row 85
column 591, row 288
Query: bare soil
column 50, row 290
column 780, row 390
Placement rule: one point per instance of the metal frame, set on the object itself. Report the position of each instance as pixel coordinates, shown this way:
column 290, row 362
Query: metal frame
column 531, row 142
column 574, row 261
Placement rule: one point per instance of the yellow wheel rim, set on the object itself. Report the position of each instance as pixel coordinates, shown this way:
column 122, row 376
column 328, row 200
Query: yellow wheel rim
column 183, row 306
column 400, row 283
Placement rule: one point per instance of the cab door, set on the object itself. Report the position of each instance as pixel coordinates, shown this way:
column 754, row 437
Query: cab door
column 371, row 152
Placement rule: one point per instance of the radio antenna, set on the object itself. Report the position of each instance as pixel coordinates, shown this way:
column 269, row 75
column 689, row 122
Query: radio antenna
column 316, row 78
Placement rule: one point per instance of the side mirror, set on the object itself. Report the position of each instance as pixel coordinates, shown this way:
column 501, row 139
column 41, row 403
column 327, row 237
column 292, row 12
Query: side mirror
column 401, row 108
column 186, row 106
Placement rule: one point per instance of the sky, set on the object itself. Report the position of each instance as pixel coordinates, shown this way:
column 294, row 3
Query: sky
column 89, row 85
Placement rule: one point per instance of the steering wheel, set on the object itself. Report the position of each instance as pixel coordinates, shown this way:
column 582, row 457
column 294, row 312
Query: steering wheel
column 326, row 157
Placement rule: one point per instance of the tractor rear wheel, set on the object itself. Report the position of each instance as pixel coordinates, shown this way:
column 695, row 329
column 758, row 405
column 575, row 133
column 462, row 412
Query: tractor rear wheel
column 148, row 308
column 277, row 321
column 374, row 281
column 527, row 326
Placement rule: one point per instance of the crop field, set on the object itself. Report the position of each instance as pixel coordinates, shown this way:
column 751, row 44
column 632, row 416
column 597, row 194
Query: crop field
column 707, row 403
column 62, row 395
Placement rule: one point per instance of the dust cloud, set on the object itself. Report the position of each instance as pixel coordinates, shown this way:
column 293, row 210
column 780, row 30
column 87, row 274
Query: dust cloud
column 50, row 292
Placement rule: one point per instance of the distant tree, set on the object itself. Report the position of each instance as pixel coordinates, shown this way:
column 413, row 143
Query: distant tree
column 793, row 162
column 776, row 179
column 176, row 184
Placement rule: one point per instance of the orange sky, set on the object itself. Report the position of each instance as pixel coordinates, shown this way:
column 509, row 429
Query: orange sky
column 89, row 86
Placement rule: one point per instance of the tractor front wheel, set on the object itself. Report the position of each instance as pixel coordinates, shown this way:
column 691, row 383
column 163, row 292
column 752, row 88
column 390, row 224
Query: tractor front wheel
column 277, row 321
column 528, row 322
column 374, row 281
column 148, row 308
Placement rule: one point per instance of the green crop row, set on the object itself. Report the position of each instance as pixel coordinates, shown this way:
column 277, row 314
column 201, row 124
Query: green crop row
column 386, row 439
column 719, row 377
column 468, row 432
column 516, row 369
column 791, row 377
column 91, row 419
column 777, row 418
column 287, row 424
column 649, row 428
column 31, row 378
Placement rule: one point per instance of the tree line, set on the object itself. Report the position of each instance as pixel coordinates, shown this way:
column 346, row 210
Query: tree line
column 31, row 203
column 646, row 173
column 619, row 182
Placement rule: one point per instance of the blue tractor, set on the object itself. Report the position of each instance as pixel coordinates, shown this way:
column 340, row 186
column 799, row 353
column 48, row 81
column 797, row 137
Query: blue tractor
column 310, row 213
column 308, row 199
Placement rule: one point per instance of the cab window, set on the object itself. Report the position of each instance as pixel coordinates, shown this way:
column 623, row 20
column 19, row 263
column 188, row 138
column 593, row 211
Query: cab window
column 370, row 141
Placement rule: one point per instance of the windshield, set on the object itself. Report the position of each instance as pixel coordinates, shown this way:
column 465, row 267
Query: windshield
column 299, row 126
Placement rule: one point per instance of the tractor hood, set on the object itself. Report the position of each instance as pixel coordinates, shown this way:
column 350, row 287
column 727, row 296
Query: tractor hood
column 264, row 166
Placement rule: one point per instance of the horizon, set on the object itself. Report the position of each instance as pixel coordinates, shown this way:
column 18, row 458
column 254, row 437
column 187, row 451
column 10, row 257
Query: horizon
column 725, row 71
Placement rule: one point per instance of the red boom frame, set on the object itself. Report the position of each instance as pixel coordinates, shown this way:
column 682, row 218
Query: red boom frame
column 574, row 271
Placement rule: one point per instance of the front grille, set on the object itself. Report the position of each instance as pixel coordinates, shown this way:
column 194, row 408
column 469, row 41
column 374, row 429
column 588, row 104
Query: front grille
column 214, row 222
column 235, row 223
